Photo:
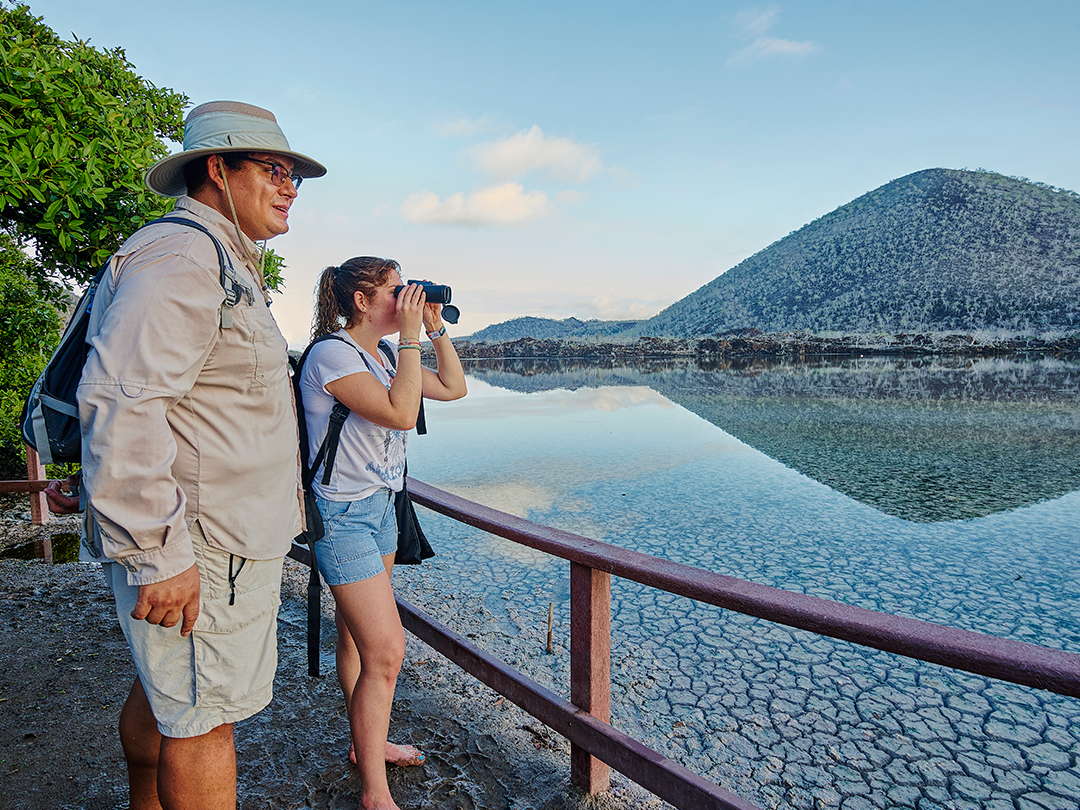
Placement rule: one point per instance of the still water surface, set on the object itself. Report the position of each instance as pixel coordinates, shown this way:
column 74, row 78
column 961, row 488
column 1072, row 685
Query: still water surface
column 942, row 490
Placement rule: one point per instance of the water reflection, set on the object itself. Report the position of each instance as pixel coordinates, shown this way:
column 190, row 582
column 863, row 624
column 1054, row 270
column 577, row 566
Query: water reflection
column 926, row 440
column 661, row 458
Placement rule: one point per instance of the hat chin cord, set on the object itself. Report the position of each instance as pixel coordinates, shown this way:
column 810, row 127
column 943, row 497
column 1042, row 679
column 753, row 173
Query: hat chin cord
column 258, row 265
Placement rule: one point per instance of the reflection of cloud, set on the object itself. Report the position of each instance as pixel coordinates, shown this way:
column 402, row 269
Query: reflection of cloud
column 515, row 497
column 505, row 206
column 532, row 151
column 556, row 481
column 608, row 398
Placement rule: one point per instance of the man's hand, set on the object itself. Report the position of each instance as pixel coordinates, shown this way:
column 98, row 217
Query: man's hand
column 166, row 602
column 59, row 503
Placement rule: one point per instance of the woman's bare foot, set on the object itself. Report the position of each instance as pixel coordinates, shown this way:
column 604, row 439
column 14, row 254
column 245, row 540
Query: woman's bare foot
column 373, row 803
column 401, row 755
column 404, row 756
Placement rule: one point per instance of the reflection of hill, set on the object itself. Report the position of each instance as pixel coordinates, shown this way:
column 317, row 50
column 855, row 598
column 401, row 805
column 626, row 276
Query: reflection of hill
column 925, row 441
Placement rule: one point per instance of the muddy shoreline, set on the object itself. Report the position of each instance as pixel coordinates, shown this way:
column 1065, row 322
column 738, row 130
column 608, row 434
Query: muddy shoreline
column 66, row 672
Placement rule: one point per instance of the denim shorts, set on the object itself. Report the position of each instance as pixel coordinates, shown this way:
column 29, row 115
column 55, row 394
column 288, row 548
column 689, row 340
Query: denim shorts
column 358, row 535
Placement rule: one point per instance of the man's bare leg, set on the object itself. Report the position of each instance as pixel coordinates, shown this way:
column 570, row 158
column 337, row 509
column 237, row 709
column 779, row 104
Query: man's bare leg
column 198, row 773
column 141, row 742
column 165, row 773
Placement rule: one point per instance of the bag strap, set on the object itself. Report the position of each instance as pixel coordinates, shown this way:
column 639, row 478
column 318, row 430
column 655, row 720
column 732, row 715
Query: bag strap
column 421, row 422
column 330, row 443
column 328, row 449
column 230, row 282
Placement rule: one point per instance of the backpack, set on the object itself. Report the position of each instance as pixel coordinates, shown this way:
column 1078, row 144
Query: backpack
column 50, row 415
column 327, row 453
column 325, row 458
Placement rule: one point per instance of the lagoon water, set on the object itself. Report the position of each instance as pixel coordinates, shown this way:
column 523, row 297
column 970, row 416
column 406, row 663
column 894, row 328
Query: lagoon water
column 945, row 490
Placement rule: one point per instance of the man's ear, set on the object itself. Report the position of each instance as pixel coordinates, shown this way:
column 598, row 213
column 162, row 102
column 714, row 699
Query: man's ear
column 215, row 169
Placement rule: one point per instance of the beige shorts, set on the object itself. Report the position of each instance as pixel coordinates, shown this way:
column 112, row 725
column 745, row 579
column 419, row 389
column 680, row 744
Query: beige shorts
column 224, row 671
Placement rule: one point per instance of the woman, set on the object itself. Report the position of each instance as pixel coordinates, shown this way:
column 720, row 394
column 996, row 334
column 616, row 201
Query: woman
column 357, row 554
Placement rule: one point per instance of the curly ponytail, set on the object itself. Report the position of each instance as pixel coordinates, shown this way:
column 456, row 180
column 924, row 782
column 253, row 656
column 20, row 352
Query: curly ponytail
column 334, row 305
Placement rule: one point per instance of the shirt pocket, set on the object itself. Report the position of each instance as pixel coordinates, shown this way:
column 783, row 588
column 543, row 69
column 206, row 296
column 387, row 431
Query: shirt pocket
column 269, row 351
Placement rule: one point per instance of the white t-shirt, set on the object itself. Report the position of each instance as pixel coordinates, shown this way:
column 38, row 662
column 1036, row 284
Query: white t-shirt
column 368, row 456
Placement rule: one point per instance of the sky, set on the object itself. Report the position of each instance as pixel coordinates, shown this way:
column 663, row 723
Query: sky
column 603, row 159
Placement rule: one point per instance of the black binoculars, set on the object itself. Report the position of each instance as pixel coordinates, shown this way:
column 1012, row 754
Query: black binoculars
column 436, row 294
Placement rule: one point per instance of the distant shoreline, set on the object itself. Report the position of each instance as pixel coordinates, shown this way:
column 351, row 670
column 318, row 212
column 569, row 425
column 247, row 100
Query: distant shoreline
column 752, row 343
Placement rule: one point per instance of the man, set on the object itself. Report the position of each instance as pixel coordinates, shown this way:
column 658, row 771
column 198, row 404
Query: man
column 190, row 455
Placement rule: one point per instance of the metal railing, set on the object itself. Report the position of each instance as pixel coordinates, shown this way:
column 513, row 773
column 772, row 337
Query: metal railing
column 34, row 487
column 583, row 720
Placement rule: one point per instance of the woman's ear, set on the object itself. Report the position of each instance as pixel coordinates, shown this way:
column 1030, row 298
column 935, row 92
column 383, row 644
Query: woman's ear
column 359, row 303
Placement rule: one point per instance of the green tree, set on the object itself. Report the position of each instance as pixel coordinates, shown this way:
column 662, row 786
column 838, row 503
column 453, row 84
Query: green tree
column 29, row 330
column 78, row 127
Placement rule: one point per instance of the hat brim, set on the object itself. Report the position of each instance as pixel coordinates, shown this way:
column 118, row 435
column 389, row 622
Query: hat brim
column 166, row 177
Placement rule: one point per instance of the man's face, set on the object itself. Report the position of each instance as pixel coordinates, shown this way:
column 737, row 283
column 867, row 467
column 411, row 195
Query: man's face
column 262, row 209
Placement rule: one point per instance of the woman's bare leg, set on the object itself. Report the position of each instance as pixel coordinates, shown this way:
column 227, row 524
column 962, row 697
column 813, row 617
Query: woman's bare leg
column 369, row 614
column 348, row 672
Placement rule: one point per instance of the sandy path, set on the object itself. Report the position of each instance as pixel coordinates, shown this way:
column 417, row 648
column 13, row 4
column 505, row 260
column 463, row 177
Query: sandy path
column 66, row 671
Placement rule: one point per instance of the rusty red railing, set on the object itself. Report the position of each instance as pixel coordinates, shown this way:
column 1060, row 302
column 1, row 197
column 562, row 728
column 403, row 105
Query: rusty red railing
column 34, row 487
column 583, row 719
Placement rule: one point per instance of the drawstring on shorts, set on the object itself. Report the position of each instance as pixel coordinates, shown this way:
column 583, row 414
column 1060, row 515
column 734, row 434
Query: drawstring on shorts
column 232, row 578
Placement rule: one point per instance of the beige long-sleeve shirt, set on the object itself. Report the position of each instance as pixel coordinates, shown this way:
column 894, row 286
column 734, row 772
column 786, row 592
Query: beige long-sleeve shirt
column 184, row 420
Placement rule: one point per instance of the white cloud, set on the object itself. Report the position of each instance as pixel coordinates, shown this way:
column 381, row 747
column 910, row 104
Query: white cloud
column 770, row 47
column 755, row 21
column 571, row 197
column 507, row 206
column 462, row 127
column 532, row 151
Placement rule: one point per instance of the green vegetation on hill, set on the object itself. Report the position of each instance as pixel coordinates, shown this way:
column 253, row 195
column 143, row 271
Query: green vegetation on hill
column 938, row 250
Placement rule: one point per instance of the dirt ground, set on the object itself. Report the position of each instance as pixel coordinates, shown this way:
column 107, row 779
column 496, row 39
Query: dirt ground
column 65, row 674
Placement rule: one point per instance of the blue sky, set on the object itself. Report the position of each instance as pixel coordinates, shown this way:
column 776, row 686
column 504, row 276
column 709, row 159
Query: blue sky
column 601, row 159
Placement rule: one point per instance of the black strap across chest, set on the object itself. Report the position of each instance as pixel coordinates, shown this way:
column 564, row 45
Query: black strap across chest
column 340, row 412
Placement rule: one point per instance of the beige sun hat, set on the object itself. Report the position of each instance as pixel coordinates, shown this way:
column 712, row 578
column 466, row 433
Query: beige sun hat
column 218, row 127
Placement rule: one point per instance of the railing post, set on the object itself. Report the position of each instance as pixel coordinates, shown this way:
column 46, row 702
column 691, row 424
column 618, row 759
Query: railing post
column 590, row 665
column 39, row 504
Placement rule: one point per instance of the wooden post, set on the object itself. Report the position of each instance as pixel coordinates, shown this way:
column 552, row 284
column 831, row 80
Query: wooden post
column 39, row 504
column 590, row 665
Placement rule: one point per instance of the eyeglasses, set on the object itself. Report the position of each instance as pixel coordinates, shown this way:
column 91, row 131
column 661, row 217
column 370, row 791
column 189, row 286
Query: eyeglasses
column 278, row 173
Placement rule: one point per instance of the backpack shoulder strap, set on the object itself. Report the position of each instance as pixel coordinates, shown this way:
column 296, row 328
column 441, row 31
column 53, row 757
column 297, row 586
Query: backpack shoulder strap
column 421, row 421
column 384, row 344
column 230, row 283
column 328, row 448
